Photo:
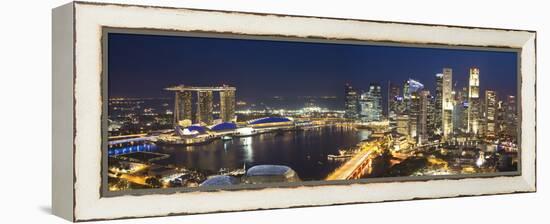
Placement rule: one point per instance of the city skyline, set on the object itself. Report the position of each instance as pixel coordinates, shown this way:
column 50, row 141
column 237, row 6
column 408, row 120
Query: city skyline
column 325, row 67
column 245, row 112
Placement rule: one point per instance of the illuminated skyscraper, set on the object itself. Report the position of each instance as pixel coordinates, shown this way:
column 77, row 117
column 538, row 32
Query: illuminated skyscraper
column 351, row 102
column 205, row 107
column 490, row 112
column 422, row 120
column 227, row 105
column 411, row 90
column 371, row 104
column 183, row 103
column 447, row 102
column 460, row 112
column 473, row 102
column 393, row 101
column 438, row 105
column 183, row 107
column 409, row 87
column 414, row 114
column 510, row 111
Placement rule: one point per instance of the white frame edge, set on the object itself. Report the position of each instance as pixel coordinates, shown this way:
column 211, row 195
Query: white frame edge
column 90, row 18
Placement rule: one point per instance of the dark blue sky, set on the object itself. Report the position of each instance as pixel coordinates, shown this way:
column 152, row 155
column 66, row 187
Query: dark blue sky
column 142, row 65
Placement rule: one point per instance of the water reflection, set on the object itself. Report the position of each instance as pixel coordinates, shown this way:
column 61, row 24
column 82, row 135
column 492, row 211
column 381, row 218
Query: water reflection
column 304, row 151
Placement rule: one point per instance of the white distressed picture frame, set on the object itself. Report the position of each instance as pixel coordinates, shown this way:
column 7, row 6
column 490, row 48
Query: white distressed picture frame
column 77, row 110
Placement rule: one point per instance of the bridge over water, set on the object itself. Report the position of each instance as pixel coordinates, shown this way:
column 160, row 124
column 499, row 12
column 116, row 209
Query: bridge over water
column 358, row 165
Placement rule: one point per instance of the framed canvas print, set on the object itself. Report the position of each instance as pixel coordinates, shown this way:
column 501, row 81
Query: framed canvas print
column 165, row 111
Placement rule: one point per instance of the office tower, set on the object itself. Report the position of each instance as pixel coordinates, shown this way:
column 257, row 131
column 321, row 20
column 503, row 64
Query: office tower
column 205, row 107
column 423, row 102
column 351, row 102
column 431, row 119
column 473, row 102
column 183, row 107
column 500, row 120
column 227, row 105
column 438, row 106
column 510, row 111
column 490, row 112
column 409, row 87
column 371, row 104
column 375, row 96
column 460, row 111
column 447, row 102
column 365, row 107
column 393, row 103
column 414, row 113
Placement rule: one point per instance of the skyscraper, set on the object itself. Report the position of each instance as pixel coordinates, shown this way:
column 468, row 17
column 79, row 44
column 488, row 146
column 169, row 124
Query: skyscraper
column 438, row 105
column 473, row 102
column 447, row 102
column 431, row 116
column 351, row 102
column 460, row 112
column 490, row 112
column 422, row 120
column 414, row 114
column 183, row 108
column 227, row 105
column 393, row 102
column 371, row 104
column 411, row 89
column 183, row 103
column 510, row 111
column 205, row 107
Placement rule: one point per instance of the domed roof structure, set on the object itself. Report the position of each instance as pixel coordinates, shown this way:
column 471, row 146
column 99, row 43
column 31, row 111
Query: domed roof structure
column 223, row 126
column 190, row 130
column 270, row 174
column 220, row 180
column 269, row 120
column 200, row 129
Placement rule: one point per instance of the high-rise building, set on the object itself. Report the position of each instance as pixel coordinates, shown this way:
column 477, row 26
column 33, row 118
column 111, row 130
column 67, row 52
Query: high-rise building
column 490, row 112
column 474, row 114
column 351, row 102
column 411, row 89
column 183, row 107
column 393, row 101
column 371, row 104
column 510, row 111
column 460, row 111
column 447, row 102
column 205, row 107
column 227, row 105
column 500, row 120
column 414, row 114
column 438, row 105
column 423, row 102
column 431, row 119
column 203, row 112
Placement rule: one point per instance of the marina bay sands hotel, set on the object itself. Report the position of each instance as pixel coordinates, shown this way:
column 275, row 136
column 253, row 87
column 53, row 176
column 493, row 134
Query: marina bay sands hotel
column 204, row 110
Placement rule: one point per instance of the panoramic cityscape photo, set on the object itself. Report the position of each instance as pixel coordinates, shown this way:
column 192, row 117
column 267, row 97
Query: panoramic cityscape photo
column 189, row 111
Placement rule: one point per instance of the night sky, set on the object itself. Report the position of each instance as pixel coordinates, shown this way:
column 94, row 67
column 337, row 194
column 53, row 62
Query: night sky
column 142, row 65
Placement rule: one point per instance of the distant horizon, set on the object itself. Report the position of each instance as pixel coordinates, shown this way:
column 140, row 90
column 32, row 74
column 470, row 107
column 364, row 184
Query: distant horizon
column 141, row 66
